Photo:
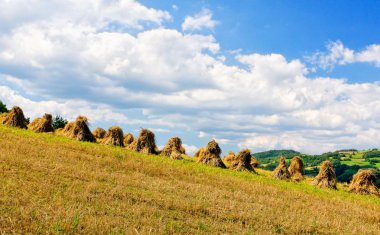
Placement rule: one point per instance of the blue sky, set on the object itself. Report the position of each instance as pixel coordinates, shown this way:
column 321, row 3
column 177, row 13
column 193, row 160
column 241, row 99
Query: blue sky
column 262, row 75
column 292, row 28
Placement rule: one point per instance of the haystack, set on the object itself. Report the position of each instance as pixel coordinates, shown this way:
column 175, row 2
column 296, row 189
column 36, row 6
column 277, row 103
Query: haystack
column 79, row 130
column 2, row 115
column 44, row 124
column 99, row 133
column 173, row 148
column 128, row 139
column 183, row 150
column 211, row 156
column 326, row 177
column 296, row 169
column 14, row 118
column 364, row 182
column 200, row 152
column 240, row 162
column 227, row 160
column 281, row 172
column 114, row 136
column 254, row 162
column 145, row 143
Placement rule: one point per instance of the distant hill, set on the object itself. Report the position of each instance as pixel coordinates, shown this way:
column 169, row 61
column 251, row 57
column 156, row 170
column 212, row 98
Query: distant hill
column 276, row 153
column 346, row 162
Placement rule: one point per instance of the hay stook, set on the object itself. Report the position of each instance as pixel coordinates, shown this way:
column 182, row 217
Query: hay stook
column 296, row 169
column 211, row 155
column 364, row 182
column 114, row 136
column 145, row 143
column 128, row 139
column 240, row 162
column 200, row 152
column 78, row 130
column 281, row 172
column 326, row 177
column 14, row 118
column 173, row 149
column 228, row 159
column 99, row 133
column 254, row 162
column 43, row 124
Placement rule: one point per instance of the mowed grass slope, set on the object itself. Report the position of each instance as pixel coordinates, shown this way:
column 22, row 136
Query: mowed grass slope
column 50, row 184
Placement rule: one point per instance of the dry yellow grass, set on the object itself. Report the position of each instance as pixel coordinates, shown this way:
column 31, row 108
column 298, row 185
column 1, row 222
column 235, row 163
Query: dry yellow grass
column 51, row 184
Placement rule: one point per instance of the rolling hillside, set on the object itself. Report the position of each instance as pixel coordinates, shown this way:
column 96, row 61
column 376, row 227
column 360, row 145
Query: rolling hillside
column 51, row 184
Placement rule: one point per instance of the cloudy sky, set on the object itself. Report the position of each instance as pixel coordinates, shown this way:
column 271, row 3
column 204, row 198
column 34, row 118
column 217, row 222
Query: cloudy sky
column 270, row 74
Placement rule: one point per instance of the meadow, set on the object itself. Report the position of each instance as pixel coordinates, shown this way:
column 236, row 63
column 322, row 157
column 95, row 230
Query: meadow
column 52, row 184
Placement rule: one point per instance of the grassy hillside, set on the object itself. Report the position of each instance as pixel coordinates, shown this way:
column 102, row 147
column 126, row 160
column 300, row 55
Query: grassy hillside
column 51, row 184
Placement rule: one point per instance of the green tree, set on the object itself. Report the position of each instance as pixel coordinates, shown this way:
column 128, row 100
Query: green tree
column 3, row 107
column 59, row 122
column 371, row 154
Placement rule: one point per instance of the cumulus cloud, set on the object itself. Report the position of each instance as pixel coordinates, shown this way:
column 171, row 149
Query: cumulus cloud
column 338, row 54
column 370, row 55
column 69, row 108
column 179, row 81
column 202, row 20
column 190, row 149
column 102, row 13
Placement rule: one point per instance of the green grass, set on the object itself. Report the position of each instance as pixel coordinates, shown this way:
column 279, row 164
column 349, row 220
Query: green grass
column 359, row 163
column 52, row 184
column 358, row 155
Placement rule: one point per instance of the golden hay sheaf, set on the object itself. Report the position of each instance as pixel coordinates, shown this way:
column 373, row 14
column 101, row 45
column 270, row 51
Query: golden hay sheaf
column 145, row 143
column 254, row 162
column 326, row 177
column 99, row 133
column 128, row 139
column 228, row 159
column 78, row 130
column 200, row 152
column 240, row 162
column 43, row 124
column 114, row 136
column 296, row 169
column 281, row 172
column 173, row 148
column 364, row 182
column 211, row 155
column 14, row 118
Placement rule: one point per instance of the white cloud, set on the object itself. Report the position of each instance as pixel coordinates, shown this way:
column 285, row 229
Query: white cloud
column 371, row 55
column 337, row 53
column 101, row 13
column 177, row 81
column 69, row 108
column 201, row 134
column 288, row 140
column 190, row 149
column 202, row 20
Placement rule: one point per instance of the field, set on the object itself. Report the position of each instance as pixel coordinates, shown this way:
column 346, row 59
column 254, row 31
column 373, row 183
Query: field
column 359, row 160
column 51, row 184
